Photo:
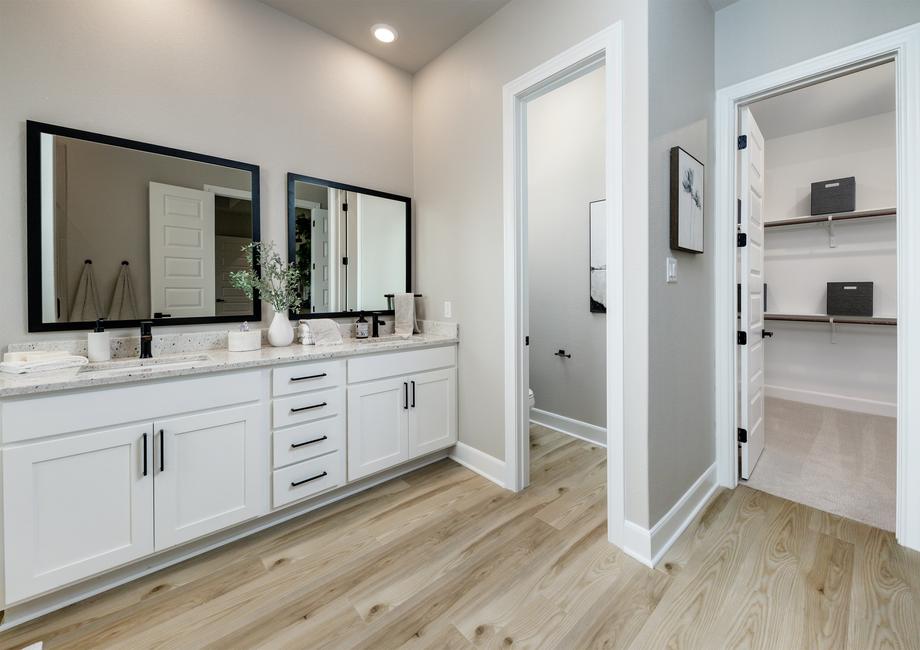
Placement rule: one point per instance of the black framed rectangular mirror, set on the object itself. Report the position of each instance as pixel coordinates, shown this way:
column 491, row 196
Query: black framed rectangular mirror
column 352, row 245
column 130, row 231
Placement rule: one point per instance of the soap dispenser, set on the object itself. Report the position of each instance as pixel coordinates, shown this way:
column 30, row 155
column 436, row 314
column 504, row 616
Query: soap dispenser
column 362, row 330
column 98, row 347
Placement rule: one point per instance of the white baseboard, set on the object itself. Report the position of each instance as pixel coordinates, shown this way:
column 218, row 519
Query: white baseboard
column 576, row 428
column 480, row 462
column 831, row 400
column 649, row 545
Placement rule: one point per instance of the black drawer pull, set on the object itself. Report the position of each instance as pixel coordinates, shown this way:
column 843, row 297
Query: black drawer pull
column 319, row 376
column 307, row 408
column 307, row 480
column 295, row 445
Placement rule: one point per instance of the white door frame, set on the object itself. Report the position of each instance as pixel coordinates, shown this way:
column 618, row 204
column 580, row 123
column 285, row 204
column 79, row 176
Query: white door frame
column 903, row 46
column 603, row 48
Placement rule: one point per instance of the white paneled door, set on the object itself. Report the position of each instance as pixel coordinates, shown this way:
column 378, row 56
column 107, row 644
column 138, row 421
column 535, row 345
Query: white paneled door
column 182, row 256
column 751, row 421
column 378, row 426
column 432, row 411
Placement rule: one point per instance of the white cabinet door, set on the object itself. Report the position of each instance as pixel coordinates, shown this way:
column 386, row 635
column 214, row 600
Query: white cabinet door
column 378, row 426
column 212, row 471
column 74, row 507
column 432, row 411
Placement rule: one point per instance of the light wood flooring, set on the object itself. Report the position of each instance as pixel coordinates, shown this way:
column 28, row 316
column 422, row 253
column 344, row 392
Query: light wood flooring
column 442, row 558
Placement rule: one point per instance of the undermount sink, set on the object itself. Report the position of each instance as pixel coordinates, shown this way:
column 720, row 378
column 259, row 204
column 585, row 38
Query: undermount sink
column 134, row 366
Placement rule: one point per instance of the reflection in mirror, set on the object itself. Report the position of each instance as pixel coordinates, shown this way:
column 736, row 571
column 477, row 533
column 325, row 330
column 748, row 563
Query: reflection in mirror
column 128, row 233
column 351, row 245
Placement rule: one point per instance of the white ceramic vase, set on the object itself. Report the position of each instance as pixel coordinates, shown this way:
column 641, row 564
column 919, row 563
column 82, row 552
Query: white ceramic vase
column 280, row 332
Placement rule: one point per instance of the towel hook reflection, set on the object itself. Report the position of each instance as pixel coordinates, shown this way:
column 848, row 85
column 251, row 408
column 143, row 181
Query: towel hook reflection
column 561, row 353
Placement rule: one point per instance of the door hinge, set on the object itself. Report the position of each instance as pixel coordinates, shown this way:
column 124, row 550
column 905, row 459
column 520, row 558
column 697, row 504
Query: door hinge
column 344, row 261
column 742, row 239
column 742, row 142
column 742, row 435
column 742, row 338
column 739, row 212
column 526, row 340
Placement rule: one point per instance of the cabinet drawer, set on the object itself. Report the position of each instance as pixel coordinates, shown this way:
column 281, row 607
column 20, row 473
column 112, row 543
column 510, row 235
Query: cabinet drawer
column 307, row 376
column 307, row 478
column 307, row 407
column 309, row 440
column 379, row 366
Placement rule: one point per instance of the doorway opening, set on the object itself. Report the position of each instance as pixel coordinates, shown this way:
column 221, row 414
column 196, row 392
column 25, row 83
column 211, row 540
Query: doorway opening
column 818, row 299
column 565, row 280
column 601, row 55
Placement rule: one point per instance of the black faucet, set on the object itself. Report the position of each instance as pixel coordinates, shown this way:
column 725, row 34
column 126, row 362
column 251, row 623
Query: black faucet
column 146, row 339
column 375, row 324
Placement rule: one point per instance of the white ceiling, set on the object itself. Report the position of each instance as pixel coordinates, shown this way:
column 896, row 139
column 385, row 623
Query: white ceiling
column 720, row 4
column 852, row 97
column 426, row 27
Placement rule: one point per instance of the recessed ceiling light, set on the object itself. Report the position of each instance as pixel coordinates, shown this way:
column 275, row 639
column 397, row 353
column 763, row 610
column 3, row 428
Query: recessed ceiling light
column 384, row 33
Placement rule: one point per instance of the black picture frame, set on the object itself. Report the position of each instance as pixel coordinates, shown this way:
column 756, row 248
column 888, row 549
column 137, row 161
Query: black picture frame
column 34, row 131
column 676, row 188
column 292, row 179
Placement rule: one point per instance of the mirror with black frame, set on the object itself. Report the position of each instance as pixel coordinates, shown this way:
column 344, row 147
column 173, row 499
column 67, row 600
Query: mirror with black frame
column 130, row 231
column 351, row 245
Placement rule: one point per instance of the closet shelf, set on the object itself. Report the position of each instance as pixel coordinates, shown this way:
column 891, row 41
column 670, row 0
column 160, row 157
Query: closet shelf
column 831, row 218
column 839, row 320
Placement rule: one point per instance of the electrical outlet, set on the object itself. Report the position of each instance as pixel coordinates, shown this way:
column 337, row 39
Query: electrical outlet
column 671, row 276
column 448, row 309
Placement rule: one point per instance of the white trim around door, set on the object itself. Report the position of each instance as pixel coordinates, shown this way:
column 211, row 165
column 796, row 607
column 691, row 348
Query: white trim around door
column 903, row 47
column 605, row 48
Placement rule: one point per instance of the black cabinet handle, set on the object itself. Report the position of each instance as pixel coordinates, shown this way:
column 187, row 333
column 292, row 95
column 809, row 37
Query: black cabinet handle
column 307, row 480
column 405, row 396
column 295, row 445
column 162, row 450
column 307, row 408
column 320, row 375
column 145, row 454
column 413, row 394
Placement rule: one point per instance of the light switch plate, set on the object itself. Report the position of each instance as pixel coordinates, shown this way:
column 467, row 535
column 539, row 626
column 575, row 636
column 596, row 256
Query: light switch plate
column 448, row 309
column 671, row 276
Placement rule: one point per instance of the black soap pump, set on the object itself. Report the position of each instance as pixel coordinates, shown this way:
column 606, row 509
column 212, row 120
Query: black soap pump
column 361, row 327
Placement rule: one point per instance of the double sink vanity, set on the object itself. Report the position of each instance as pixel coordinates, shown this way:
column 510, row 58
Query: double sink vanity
column 124, row 460
column 119, row 468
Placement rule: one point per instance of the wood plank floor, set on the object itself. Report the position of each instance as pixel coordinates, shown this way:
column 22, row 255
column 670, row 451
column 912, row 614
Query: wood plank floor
column 442, row 558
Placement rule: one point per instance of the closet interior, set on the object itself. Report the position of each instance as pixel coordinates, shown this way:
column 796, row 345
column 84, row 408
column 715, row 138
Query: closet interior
column 830, row 296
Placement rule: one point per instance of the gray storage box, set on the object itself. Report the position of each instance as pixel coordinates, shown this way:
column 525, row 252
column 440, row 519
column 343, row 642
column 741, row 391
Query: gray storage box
column 835, row 195
column 849, row 299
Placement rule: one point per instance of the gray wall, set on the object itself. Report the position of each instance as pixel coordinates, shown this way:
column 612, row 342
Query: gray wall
column 681, row 356
column 757, row 36
column 565, row 172
column 231, row 78
column 458, row 191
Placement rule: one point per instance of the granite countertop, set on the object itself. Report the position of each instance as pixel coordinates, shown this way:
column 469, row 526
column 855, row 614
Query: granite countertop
column 198, row 362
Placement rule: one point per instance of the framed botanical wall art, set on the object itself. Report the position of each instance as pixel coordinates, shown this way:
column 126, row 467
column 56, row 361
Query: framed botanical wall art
column 597, row 218
column 687, row 201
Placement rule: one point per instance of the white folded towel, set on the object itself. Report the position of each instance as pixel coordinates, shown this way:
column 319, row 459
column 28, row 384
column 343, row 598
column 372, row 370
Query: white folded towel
column 405, row 314
column 36, row 363
column 325, row 331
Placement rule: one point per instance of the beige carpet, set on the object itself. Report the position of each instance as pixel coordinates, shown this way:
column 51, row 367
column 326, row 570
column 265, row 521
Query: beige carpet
column 837, row 461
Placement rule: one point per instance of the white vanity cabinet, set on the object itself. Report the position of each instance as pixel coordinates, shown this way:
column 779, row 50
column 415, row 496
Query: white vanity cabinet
column 78, row 503
column 392, row 419
column 75, row 506
column 207, row 474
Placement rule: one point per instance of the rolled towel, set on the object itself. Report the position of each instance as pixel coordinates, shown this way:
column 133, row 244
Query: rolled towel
column 325, row 331
column 405, row 314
